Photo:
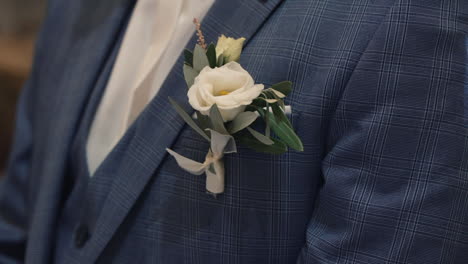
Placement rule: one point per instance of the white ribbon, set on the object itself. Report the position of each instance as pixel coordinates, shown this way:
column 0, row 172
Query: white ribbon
column 213, row 165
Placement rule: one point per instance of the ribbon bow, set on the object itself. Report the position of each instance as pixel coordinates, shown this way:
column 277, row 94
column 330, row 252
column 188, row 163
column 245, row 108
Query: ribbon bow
column 213, row 165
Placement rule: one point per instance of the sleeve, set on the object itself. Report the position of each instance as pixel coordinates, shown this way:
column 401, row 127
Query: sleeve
column 395, row 174
column 13, row 188
column 15, row 205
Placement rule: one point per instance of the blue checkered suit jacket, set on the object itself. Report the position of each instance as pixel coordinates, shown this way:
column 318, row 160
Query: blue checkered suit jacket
column 378, row 101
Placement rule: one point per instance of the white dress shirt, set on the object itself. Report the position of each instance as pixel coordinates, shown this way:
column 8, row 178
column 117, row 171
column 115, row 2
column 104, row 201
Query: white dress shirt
column 156, row 35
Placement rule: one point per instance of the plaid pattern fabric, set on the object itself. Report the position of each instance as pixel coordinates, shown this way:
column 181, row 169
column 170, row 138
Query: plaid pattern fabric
column 466, row 85
column 379, row 103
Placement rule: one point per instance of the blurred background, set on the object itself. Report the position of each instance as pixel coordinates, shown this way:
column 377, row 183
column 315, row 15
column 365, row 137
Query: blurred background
column 19, row 23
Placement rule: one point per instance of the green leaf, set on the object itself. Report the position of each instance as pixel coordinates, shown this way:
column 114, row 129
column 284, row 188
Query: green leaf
column 259, row 101
column 251, row 108
column 211, row 168
column 281, row 105
column 188, row 119
column 267, row 129
column 203, row 121
column 286, row 133
column 265, row 140
column 268, row 97
column 261, row 111
column 200, row 60
column 283, row 87
column 211, row 54
column 188, row 55
column 267, row 121
column 278, row 94
column 189, row 74
column 269, row 94
column 220, row 60
column 242, row 121
column 251, row 142
column 271, row 101
column 280, row 115
column 217, row 120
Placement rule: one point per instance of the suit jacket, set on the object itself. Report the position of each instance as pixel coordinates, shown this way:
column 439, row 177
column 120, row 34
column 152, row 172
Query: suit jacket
column 378, row 102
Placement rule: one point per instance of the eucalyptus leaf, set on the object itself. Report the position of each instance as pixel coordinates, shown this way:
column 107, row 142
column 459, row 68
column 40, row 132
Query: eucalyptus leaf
column 211, row 168
column 265, row 140
column 242, row 121
column 251, row 142
column 188, row 119
column 188, row 55
column 211, row 54
column 189, row 74
column 285, row 133
column 283, row 87
column 203, row 121
column 200, row 60
column 217, row 120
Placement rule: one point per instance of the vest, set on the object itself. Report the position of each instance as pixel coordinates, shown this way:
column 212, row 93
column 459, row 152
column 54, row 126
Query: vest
column 75, row 217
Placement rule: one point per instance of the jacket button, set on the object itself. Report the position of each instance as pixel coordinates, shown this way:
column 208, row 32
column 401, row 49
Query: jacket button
column 81, row 235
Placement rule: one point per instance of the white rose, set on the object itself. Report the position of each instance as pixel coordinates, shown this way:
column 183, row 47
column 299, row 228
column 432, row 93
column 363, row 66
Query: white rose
column 230, row 87
column 229, row 48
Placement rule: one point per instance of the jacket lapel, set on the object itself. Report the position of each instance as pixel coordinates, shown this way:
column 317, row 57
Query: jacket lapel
column 142, row 149
column 92, row 32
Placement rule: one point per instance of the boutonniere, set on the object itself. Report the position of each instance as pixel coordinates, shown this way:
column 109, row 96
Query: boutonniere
column 227, row 101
